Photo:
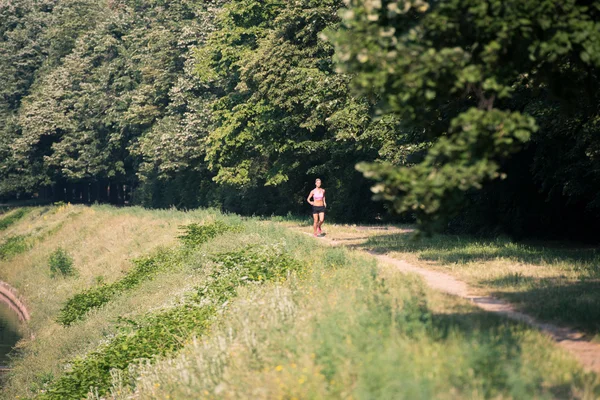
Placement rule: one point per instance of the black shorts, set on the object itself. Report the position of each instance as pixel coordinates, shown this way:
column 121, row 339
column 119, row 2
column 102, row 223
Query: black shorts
column 318, row 209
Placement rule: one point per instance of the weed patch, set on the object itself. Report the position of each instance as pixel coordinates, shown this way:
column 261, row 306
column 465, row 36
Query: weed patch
column 13, row 245
column 61, row 263
column 12, row 218
column 145, row 268
column 196, row 234
column 167, row 332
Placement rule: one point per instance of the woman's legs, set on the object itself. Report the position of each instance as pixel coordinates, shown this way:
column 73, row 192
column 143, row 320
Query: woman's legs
column 321, row 220
column 315, row 223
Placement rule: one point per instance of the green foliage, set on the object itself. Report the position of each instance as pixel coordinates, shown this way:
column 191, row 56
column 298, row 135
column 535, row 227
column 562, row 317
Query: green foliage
column 166, row 332
column 249, row 265
column 157, row 335
column 61, row 263
column 144, row 268
column 240, row 104
column 462, row 71
column 201, row 107
column 281, row 114
column 11, row 218
column 196, row 234
column 112, row 71
column 454, row 164
column 13, row 245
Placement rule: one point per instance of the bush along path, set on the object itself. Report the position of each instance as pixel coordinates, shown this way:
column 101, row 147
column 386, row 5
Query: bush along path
column 166, row 332
column 585, row 351
column 145, row 268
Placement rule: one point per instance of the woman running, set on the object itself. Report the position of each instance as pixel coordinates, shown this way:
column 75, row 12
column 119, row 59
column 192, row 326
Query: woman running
column 318, row 204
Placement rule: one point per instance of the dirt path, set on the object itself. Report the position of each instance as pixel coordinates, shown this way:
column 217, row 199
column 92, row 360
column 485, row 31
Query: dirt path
column 586, row 352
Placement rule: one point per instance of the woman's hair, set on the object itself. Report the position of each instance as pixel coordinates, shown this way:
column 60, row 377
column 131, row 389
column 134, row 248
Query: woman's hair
column 318, row 179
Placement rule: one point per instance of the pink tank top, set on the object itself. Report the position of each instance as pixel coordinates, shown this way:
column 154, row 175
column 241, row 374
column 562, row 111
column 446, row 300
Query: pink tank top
column 318, row 196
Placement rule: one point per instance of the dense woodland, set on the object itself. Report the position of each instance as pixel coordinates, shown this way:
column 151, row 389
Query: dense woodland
column 467, row 115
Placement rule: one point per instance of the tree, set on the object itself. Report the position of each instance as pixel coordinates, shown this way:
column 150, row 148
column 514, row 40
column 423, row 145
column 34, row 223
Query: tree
column 459, row 70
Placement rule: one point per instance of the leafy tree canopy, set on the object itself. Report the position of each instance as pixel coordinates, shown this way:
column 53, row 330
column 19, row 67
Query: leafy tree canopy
column 467, row 73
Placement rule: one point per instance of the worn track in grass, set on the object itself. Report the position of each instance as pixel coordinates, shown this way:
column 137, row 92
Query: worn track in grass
column 586, row 352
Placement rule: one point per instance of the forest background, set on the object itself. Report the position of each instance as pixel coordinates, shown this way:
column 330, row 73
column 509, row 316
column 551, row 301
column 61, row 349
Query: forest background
column 466, row 115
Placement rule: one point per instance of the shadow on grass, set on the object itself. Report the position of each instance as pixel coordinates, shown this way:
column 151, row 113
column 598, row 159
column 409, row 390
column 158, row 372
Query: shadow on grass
column 461, row 249
column 566, row 301
column 575, row 303
column 496, row 354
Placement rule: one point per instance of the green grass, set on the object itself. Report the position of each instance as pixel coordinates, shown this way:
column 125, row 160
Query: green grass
column 575, row 303
column 263, row 312
column 166, row 332
column 7, row 220
column 348, row 329
column 464, row 249
column 557, row 282
column 13, row 245
column 145, row 268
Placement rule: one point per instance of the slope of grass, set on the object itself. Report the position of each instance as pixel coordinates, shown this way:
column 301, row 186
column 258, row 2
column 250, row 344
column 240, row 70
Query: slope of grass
column 554, row 281
column 12, row 246
column 264, row 312
column 347, row 329
column 102, row 241
column 166, row 332
column 7, row 220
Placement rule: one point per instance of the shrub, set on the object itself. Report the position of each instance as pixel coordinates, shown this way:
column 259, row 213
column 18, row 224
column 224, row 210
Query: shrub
column 61, row 263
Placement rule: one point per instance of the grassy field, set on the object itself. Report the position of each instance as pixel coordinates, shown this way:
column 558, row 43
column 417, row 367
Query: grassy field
column 555, row 281
column 244, row 308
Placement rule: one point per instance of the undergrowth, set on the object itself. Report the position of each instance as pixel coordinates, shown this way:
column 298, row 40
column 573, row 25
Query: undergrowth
column 13, row 245
column 196, row 234
column 61, row 263
column 12, row 218
column 168, row 331
column 144, row 269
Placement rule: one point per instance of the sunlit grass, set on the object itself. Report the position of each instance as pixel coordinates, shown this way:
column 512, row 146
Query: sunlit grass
column 10, row 218
column 102, row 240
column 340, row 327
column 349, row 329
column 555, row 281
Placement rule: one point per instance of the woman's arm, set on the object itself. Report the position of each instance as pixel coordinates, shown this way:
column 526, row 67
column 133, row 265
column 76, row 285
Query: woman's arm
column 324, row 202
column 309, row 196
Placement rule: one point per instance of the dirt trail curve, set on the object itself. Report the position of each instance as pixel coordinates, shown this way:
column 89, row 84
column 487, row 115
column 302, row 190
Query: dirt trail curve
column 586, row 352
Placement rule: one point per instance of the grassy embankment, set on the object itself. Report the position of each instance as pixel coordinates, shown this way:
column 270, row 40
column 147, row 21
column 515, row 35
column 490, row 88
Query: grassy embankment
column 554, row 281
column 246, row 308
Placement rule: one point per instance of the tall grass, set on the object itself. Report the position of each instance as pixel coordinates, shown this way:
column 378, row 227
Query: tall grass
column 13, row 245
column 554, row 281
column 349, row 330
column 11, row 218
column 102, row 241
column 337, row 326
